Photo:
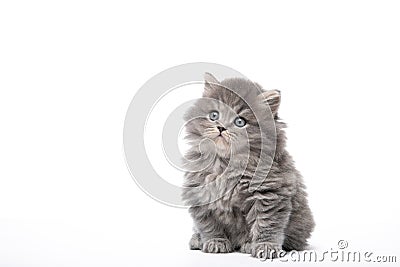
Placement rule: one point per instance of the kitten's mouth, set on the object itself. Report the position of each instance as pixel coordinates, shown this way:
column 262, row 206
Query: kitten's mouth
column 221, row 138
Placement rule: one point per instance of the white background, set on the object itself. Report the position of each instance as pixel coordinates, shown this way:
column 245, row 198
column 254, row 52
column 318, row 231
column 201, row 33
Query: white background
column 68, row 71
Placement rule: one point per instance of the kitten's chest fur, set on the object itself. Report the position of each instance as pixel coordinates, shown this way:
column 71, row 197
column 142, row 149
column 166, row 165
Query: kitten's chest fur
column 219, row 190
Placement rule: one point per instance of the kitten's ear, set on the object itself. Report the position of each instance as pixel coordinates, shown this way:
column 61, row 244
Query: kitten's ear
column 271, row 98
column 211, row 83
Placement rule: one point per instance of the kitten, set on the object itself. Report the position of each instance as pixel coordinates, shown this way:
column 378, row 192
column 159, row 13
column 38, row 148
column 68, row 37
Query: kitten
column 234, row 205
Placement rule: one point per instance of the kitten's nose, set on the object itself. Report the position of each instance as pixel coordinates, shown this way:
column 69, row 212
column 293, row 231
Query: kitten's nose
column 221, row 129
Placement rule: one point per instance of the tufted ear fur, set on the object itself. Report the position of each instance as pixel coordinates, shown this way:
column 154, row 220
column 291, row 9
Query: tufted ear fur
column 271, row 98
column 210, row 84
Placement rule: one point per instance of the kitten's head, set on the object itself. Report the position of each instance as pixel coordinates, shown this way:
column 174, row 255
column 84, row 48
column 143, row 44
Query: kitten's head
column 228, row 116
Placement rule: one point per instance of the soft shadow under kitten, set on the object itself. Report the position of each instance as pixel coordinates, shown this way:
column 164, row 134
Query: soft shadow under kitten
column 224, row 131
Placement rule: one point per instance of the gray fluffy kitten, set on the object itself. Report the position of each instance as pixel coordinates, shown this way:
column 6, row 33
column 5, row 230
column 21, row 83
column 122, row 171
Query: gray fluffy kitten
column 227, row 215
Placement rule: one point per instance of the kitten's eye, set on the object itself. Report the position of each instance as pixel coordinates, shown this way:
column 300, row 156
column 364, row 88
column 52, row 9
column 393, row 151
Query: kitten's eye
column 240, row 122
column 214, row 115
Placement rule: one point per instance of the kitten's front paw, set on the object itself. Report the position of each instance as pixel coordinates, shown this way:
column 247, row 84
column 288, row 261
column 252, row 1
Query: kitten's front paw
column 265, row 250
column 217, row 245
column 195, row 241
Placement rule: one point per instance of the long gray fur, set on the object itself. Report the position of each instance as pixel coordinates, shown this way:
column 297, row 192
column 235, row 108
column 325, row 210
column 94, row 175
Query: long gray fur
column 272, row 217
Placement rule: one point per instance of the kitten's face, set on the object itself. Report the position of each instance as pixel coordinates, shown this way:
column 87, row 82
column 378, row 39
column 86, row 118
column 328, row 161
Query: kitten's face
column 225, row 126
column 222, row 122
